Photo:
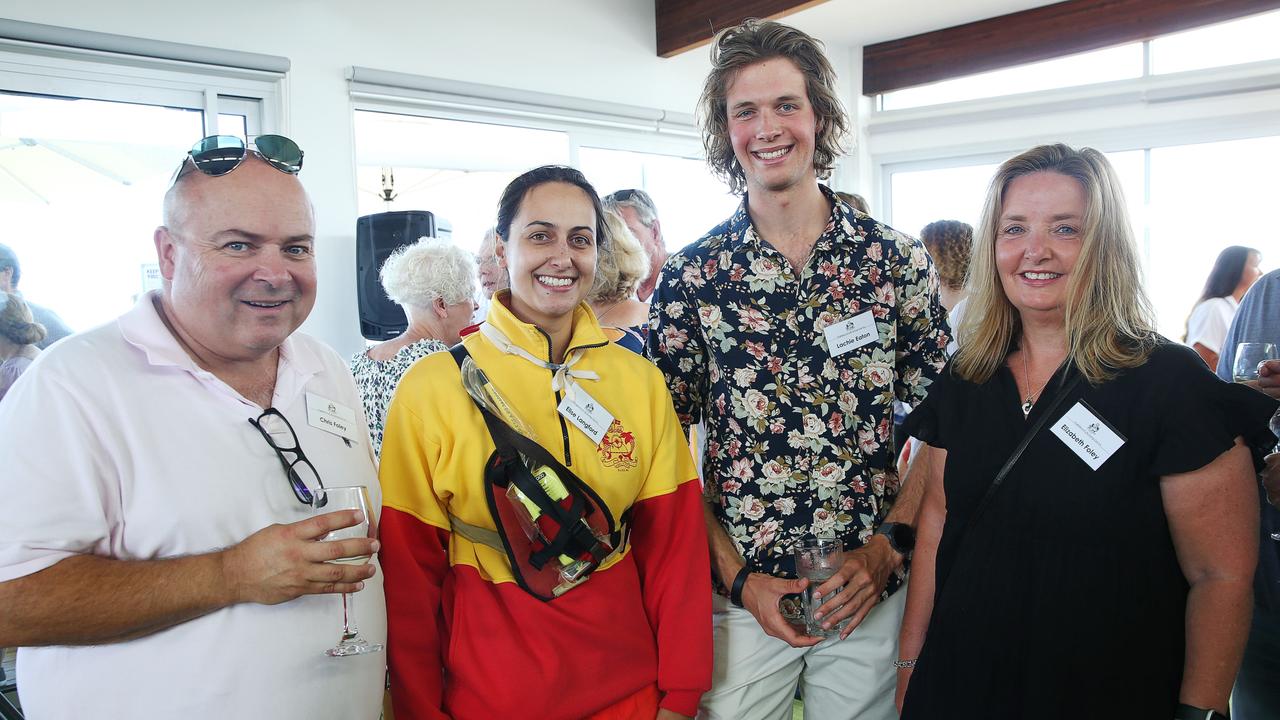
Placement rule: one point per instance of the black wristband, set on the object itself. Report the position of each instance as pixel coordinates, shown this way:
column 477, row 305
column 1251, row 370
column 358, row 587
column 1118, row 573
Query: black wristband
column 1191, row 712
column 735, row 592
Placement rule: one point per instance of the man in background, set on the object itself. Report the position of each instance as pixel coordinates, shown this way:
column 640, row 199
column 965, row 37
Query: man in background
column 158, row 557
column 491, row 276
column 641, row 216
column 10, row 274
column 1257, row 692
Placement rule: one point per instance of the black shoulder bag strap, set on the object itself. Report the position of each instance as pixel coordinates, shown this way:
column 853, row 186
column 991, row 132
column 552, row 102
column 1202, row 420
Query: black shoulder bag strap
column 1017, row 453
column 1004, row 471
column 508, row 466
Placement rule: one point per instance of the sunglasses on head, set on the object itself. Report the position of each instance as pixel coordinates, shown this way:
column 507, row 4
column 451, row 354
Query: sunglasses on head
column 218, row 155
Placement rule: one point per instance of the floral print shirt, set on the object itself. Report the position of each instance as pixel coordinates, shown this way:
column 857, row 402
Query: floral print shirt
column 377, row 380
column 798, row 442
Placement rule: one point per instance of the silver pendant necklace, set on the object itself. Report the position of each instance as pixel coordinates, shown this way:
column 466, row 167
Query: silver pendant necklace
column 1030, row 401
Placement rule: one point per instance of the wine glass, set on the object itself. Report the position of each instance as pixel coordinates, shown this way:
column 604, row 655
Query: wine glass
column 347, row 498
column 1248, row 356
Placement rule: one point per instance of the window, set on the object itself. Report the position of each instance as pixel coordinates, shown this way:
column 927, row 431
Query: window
column 457, row 169
column 1116, row 63
column 451, row 168
column 1204, row 198
column 1182, row 217
column 80, row 182
column 690, row 200
column 87, row 148
column 1246, row 40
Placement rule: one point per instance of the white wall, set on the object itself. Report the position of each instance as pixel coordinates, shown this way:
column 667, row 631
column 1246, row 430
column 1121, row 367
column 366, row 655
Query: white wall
column 598, row 49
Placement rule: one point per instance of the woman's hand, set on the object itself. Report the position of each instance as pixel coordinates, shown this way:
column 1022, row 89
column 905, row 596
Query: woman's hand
column 664, row 714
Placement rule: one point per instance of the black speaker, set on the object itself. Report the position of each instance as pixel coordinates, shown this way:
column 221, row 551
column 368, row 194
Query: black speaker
column 377, row 236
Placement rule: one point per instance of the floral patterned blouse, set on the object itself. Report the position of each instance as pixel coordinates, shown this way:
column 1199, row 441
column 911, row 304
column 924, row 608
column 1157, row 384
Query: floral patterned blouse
column 377, row 380
column 798, row 442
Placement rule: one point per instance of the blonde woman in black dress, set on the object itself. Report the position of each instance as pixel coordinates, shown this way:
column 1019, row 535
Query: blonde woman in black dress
column 1108, row 575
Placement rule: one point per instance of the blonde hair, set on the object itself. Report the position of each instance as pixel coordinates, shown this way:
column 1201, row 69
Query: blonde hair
column 16, row 324
column 1109, row 320
column 621, row 262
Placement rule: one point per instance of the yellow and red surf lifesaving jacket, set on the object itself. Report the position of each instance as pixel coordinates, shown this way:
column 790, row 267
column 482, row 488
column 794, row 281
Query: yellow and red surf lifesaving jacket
column 464, row 640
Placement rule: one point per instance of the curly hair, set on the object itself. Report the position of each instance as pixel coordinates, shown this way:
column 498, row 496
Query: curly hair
column 416, row 275
column 621, row 263
column 749, row 43
column 16, row 323
column 949, row 243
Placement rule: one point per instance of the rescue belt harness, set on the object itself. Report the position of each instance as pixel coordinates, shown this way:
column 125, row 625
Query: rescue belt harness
column 579, row 522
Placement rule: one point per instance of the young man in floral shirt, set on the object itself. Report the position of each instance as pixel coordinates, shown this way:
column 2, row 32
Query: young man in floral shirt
column 789, row 330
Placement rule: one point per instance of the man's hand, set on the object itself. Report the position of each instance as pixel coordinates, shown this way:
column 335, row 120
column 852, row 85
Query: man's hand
column 760, row 596
column 1268, row 378
column 281, row 562
column 863, row 575
column 1271, row 479
column 664, row 714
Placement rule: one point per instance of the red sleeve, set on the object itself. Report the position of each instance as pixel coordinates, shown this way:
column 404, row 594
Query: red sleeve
column 415, row 563
column 669, row 541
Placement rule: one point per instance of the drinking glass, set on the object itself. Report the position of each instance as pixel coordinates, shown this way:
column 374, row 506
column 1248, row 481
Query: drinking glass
column 817, row 559
column 1248, row 357
column 347, row 498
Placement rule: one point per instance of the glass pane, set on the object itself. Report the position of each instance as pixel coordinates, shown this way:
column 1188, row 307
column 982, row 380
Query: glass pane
column 690, row 200
column 233, row 125
column 1204, row 198
column 1117, row 63
column 454, row 169
column 81, row 183
column 923, row 196
column 1245, row 40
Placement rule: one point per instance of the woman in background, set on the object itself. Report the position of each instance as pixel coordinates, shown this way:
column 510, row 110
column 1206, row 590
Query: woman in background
column 621, row 264
column 1109, row 574
column 18, row 337
column 1234, row 272
column 949, row 243
column 434, row 281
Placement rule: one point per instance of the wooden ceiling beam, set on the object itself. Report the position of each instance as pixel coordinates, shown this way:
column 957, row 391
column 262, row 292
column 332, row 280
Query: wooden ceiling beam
column 1042, row 33
column 686, row 24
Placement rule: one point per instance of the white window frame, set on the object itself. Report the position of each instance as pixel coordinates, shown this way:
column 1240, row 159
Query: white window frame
column 259, row 95
column 1211, row 105
column 587, row 123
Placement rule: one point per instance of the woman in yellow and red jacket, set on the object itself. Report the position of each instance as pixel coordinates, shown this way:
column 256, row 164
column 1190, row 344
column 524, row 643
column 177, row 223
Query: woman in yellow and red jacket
column 465, row 640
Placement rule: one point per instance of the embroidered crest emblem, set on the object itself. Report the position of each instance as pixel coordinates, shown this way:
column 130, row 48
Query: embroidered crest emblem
column 617, row 448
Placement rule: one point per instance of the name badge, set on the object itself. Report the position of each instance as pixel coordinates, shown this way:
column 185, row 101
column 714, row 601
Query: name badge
column 332, row 417
column 851, row 334
column 582, row 410
column 1088, row 436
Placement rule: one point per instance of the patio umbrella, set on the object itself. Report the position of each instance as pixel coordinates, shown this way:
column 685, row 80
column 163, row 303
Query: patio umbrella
column 54, row 172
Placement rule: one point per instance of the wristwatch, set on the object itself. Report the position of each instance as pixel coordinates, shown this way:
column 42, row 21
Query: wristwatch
column 1191, row 712
column 901, row 536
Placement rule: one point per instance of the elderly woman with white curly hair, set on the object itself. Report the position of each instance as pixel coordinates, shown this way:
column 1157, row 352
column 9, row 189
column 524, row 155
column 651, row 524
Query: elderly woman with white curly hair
column 434, row 281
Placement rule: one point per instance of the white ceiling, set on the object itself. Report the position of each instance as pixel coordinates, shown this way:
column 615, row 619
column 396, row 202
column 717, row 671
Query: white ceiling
column 863, row 22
